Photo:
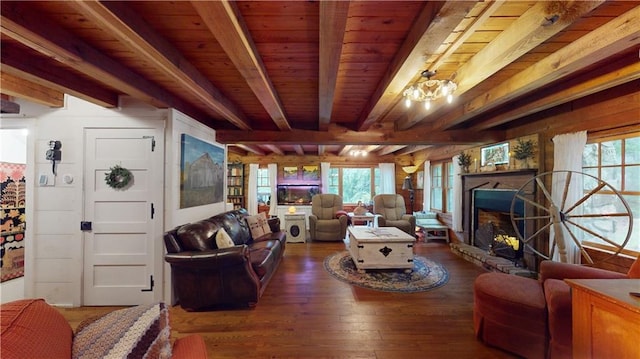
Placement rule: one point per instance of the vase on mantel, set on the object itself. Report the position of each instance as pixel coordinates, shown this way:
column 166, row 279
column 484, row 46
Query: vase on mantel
column 524, row 163
column 465, row 169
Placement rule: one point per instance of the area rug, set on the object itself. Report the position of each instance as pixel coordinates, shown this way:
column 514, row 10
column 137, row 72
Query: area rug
column 426, row 275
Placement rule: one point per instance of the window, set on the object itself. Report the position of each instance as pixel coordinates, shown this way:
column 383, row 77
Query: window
column 264, row 187
column 442, row 186
column 354, row 184
column 436, row 187
column 616, row 161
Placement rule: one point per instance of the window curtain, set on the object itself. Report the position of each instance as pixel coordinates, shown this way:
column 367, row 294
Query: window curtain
column 324, row 176
column 426, row 193
column 387, row 178
column 456, row 216
column 273, row 183
column 567, row 156
column 252, row 190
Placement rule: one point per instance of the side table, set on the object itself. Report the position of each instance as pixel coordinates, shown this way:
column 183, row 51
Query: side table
column 296, row 227
column 606, row 318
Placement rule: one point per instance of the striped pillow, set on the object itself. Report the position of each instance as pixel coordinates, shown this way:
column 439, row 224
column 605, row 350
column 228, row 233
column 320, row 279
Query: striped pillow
column 137, row 332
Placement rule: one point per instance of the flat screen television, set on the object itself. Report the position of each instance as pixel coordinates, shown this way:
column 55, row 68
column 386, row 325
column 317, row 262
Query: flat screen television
column 297, row 194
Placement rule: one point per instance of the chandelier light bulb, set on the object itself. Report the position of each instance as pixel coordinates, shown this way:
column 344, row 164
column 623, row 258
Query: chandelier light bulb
column 429, row 89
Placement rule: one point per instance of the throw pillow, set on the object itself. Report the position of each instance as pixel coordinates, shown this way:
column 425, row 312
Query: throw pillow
column 264, row 223
column 137, row 332
column 223, row 240
column 255, row 226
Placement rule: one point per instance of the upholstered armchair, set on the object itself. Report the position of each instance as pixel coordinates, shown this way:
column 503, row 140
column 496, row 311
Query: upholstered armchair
column 533, row 317
column 325, row 221
column 392, row 212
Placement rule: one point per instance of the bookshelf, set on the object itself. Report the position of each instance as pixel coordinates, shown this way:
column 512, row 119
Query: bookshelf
column 235, row 185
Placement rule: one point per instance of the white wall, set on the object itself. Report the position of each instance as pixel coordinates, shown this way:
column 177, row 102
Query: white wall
column 178, row 124
column 54, row 262
column 13, row 149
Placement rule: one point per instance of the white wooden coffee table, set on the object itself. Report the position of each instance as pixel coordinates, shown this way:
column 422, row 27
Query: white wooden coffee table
column 380, row 248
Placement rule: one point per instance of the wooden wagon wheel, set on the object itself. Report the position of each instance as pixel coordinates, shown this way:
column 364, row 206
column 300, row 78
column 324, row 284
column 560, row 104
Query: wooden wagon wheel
column 600, row 214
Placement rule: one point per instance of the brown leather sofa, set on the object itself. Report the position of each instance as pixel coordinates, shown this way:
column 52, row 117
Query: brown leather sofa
column 206, row 277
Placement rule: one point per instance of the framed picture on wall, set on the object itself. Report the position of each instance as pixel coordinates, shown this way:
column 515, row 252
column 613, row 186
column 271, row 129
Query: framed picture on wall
column 290, row 173
column 310, row 173
column 496, row 154
column 420, row 183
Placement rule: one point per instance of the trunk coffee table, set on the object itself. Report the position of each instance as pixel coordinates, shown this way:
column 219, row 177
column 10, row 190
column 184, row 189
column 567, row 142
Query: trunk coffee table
column 380, row 248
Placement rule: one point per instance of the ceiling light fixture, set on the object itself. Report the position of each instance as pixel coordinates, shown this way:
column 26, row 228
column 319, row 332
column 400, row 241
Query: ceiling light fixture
column 429, row 90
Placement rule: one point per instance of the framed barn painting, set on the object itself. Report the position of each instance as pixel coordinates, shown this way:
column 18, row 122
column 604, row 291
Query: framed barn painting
column 202, row 172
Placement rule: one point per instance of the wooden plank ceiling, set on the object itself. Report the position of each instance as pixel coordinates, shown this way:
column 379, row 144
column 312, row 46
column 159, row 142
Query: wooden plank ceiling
column 322, row 77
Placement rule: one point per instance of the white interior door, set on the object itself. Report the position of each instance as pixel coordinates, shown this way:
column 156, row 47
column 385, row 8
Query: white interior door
column 123, row 248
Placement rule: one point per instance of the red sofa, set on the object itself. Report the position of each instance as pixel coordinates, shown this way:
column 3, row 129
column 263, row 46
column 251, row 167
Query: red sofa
column 33, row 329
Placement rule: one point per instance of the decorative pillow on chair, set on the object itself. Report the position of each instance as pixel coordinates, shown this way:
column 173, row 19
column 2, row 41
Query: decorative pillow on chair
column 223, row 240
column 137, row 332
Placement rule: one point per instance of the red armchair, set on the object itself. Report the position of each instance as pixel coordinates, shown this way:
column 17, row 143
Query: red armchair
column 558, row 298
column 532, row 318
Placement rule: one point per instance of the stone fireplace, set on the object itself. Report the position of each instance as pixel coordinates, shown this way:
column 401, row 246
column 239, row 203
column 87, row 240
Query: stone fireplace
column 486, row 204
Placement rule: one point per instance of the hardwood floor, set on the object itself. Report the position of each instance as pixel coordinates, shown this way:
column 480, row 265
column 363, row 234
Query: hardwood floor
column 306, row 313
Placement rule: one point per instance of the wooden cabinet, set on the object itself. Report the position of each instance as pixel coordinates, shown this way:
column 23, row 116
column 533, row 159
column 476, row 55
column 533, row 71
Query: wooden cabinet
column 606, row 318
column 235, row 185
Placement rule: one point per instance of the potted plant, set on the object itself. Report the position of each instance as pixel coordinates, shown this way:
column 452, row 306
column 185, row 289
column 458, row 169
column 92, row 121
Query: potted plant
column 523, row 151
column 464, row 160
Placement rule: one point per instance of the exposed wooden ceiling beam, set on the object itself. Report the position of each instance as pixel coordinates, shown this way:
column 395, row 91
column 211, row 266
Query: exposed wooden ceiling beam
column 225, row 22
column 345, row 150
column 273, row 148
column 527, row 32
column 608, row 76
column 38, row 71
column 333, row 22
column 51, row 40
column 348, row 137
column 411, row 149
column 431, row 28
column 387, row 150
column 16, row 86
column 613, row 37
column 299, row 150
column 321, row 150
column 130, row 29
column 249, row 148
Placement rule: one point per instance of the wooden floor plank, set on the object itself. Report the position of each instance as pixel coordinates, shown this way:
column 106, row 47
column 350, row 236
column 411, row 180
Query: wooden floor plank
column 306, row 313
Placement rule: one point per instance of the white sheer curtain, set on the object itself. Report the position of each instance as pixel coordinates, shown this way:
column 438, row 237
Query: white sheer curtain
column 252, row 190
column 456, row 216
column 567, row 155
column 273, row 183
column 426, row 193
column 324, row 176
column 387, row 178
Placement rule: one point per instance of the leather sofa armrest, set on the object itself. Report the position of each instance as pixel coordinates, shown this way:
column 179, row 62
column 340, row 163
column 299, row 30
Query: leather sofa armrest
column 191, row 347
column 235, row 255
column 558, row 270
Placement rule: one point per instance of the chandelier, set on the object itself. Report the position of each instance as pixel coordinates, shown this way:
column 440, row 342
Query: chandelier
column 429, row 90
